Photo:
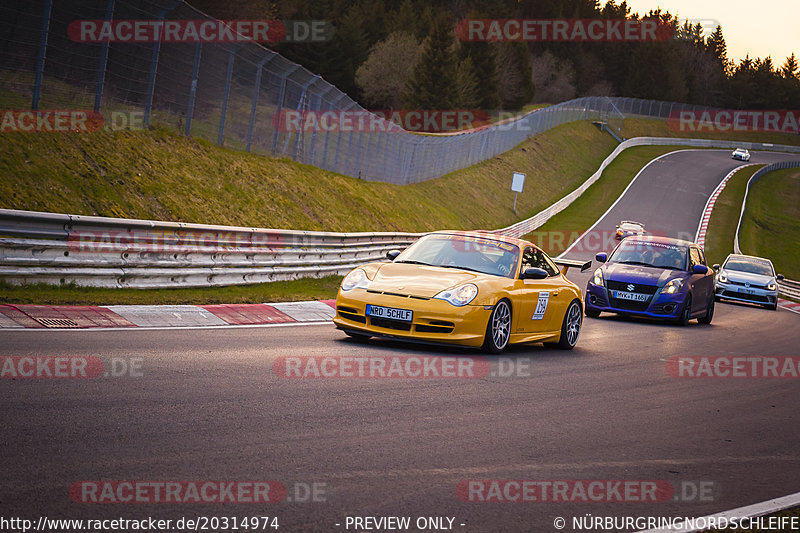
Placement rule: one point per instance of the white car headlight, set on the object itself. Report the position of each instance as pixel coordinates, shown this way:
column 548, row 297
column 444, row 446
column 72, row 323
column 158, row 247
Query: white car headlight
column 772, row 286
column 459, row 296
column 597, row 279
column 356, row 279
column 673, row 286
column 723, row 278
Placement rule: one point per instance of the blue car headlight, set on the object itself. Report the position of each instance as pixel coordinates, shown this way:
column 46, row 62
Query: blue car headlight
column 597, row 279
column 459, row 296
column 672, row 286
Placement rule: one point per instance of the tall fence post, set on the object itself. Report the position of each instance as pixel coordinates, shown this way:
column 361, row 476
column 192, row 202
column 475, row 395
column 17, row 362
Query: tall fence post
column 226, row 94
column 279, row 107
column 254, row 105
column 41, row 54
column 299, row 108
column 193, row 91
column 151, row 77
column 101, row 73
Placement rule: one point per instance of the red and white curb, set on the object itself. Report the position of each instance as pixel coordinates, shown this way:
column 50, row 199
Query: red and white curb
column 702, row 228
column 164, row 316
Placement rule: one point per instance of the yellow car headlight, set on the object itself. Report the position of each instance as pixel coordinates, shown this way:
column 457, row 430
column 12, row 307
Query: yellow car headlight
column 356, row 279
column 459, row 296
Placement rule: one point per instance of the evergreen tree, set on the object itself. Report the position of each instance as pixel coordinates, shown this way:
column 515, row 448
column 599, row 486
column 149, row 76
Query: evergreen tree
column 434, row 84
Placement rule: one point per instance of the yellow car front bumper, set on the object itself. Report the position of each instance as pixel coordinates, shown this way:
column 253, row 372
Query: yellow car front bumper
column 435, row 321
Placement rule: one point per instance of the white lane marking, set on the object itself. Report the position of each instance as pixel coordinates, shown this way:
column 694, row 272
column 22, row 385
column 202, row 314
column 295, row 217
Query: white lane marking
column 565, row 252
column 750, row 511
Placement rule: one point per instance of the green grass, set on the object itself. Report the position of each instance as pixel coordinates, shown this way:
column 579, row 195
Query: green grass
column 771, row 223
column 722, row 225
column 161, row 175
column 558, row 232
column 284, row 291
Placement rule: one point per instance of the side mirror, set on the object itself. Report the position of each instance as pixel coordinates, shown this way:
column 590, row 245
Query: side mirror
column 699, row 269
column 392, row 254
column 780, row 277
column 716, row 266
column 602, row 257
column 534, row 273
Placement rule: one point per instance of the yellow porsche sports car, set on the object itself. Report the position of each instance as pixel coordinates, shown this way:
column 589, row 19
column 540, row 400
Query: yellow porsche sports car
column 473, row 289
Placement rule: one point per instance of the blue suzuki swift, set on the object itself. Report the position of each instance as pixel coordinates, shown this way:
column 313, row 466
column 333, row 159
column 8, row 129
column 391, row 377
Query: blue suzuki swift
column 654, row 277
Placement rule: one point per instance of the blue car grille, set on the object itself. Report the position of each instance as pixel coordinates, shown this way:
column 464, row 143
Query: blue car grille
column 637, row 287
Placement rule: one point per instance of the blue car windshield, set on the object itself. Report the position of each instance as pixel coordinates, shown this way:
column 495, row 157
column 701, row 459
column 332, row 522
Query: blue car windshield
column 650, row 254
column 749, row 266
column 476, row 254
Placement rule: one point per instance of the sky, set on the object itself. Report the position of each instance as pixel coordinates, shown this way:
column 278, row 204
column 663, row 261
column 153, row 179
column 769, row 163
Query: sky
column 761, row 28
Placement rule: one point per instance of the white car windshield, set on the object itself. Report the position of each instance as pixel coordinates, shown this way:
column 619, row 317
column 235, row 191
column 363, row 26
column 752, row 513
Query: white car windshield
column 749, row 266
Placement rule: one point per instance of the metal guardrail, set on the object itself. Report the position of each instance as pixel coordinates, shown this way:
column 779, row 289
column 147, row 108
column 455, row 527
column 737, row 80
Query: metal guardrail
column 786, row 287
column 110, row 252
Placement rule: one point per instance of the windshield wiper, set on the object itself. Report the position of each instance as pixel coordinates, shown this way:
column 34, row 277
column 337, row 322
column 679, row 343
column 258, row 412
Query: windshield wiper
column 634, row 263
column 463, row 268
column 415, row 263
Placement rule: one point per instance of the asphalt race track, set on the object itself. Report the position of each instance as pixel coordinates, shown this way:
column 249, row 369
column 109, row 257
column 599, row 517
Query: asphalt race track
column 207, row 405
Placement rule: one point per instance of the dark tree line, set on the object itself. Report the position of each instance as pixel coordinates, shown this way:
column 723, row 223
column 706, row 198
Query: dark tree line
column 449, row 73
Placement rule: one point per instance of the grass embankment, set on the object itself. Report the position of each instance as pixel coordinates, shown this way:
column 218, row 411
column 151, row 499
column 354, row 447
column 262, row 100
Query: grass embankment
column 165, row 176
column 282, row 291
column 771, row 223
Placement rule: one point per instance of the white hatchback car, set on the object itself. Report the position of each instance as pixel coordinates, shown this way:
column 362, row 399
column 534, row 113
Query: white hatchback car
column 740, row 154
column 745, row 278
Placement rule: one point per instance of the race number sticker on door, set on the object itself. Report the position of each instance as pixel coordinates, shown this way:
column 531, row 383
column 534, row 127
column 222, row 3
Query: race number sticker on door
column 541, row 306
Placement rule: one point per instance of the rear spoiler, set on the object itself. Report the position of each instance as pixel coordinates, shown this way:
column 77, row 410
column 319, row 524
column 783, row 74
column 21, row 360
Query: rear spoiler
column 566, row 263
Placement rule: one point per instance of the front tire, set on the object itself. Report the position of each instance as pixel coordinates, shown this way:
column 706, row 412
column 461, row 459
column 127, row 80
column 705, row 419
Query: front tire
column 498, row 330
column 571, row 326
column 686, row 312
column 706, row 319
column 592, row 313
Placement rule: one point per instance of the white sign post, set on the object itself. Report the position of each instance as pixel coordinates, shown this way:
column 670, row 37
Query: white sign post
column 517, row 183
